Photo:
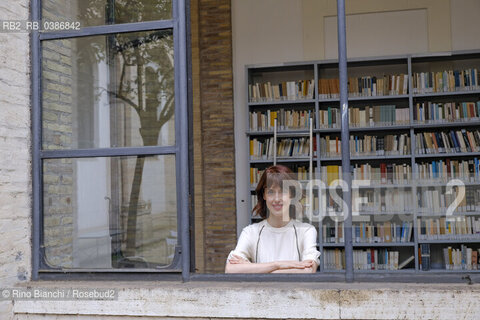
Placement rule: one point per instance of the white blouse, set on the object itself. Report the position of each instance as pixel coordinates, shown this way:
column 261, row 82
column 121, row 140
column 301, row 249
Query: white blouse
column 277, row 244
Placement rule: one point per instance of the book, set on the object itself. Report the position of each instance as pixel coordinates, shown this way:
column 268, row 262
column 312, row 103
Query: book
column 446, row 169
column 382, row 115
column 330, row 118
column 441, row 124
column 438, row 201
column 334, row 259
column 463, row 258
column 425, row 254
column 286, row 120
column 447, row 81
column 283, row 90
column 375, row 259
column 433, row 112
column 455, row 141
column 405, row 262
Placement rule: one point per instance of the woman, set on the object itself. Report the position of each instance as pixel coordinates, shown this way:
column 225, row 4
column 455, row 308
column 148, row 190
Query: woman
column 277, row 244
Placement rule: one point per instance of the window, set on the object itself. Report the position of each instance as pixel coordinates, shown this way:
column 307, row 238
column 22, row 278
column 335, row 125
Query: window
column 110, row 148
column 110, row 136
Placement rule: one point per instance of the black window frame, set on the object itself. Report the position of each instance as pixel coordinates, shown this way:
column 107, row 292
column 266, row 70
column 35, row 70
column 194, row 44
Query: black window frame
column 183, row 149
column 178, row 26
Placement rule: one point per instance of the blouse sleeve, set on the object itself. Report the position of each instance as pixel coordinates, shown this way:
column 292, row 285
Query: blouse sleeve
column 309, row 246
column 244, row 246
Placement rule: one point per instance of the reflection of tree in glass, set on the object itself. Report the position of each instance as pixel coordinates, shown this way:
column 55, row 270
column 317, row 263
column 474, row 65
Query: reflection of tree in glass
column 146, row 81
column 124, row 11
column 150, row 94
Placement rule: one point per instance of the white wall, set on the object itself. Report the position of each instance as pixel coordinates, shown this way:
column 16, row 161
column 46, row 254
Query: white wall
column 274, row 31
column 386, row 33
column 465, row 24
column 263, row 31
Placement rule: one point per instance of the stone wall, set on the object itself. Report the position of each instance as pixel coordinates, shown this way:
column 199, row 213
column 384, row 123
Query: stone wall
column 266, row 300
column 15, row 142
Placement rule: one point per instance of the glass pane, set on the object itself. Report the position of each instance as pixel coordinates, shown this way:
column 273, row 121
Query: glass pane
column 108, row 91
column 118, row 212
column 101, row 12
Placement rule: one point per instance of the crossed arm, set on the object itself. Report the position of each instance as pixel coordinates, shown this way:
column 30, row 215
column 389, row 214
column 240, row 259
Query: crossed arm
column 239, row 265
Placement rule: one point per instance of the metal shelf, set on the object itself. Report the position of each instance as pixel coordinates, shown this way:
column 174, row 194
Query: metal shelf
column 378, row 185
column 443, row 124
column 380, row 128
column 380, row 157
column 384, row 244
column 444, row 213
column 443, row 241
column 326, row 130
column 330, row 158
column 378, row 213
column 406, row 61
column 273, row 102
column 472, row 123
column 282, row 133
column 303, row 159
column 446, row 94
column 393, row 96
column 444, row 182
column 333, row 271
column 332, row 245
column 385, row 271
column 447, row 155
column 323, row 100
column 367, row 128
column 363, row 98
column 448, row 271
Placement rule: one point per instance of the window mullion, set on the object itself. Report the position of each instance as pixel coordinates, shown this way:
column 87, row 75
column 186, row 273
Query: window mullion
column 108, row 152
column 181, row 132
column 109, row 29
column 36, row 141
column 345, row 137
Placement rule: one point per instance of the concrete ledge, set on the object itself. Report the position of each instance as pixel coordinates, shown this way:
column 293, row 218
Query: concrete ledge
column 263, row 300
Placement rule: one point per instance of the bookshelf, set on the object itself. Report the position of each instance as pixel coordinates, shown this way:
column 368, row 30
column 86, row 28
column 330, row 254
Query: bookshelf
column 414, row 126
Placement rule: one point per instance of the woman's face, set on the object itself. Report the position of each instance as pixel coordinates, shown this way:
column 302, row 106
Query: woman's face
column 278, row 201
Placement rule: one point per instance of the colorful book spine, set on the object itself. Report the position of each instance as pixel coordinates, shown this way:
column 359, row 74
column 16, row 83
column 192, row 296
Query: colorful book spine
column 375, row 259
column 446, row 81
column 281, row 91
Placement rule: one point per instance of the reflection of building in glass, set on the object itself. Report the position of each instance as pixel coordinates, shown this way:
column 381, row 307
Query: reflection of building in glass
column 106, row 92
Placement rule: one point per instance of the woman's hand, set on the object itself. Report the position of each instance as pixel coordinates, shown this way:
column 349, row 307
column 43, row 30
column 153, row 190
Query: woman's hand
column 294, row 264
column 306, row 266
column 237, row 260
column 237, row 264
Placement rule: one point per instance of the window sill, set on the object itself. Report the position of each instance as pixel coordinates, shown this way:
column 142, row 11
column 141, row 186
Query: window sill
column 264, row 300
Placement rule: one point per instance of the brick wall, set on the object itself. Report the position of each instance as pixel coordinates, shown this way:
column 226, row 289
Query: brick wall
column 197, row 142
column 58, row 72
column 213, row 129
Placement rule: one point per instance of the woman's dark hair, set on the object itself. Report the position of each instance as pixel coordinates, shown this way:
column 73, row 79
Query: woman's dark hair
column 272, row 177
